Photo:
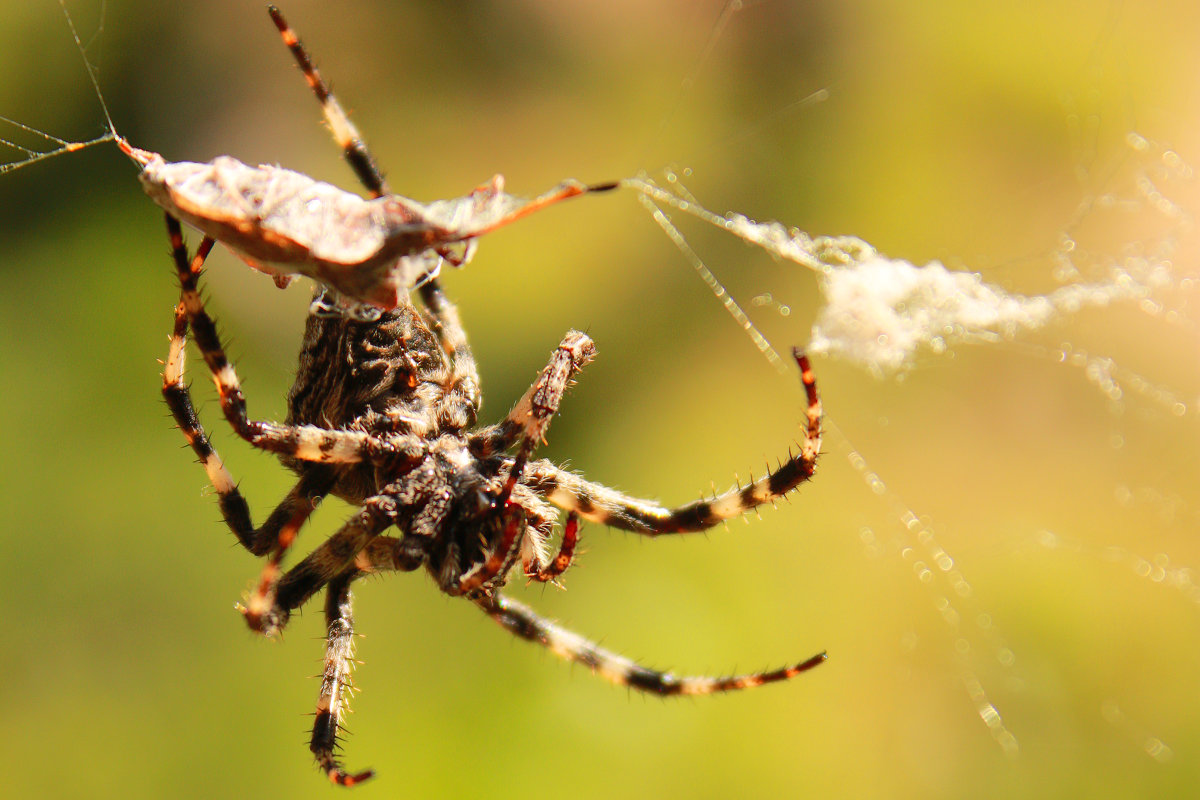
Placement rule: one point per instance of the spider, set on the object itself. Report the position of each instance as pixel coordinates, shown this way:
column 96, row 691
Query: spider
column 383, row 414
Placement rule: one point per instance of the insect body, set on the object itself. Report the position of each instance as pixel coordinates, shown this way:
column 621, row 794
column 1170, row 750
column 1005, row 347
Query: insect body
column 369, row 251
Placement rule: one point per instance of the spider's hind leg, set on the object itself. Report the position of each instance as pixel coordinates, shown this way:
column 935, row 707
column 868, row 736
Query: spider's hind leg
column 521, row 621
column 381, row 554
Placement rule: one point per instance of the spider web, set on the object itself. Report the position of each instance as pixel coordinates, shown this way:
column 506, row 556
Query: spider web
column 890, row 318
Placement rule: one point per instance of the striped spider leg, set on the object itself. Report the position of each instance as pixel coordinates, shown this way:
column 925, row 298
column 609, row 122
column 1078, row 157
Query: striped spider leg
column 598, row 503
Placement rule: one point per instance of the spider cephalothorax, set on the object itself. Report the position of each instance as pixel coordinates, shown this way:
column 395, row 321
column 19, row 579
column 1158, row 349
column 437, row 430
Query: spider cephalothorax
column 383, row 415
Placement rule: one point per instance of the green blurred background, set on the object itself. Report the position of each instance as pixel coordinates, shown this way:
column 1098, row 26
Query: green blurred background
column 965, row 132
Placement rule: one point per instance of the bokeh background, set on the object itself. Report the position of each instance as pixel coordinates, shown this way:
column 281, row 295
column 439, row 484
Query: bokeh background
column 966, row 132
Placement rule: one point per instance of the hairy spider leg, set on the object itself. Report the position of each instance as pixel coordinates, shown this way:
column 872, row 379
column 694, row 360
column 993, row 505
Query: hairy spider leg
column 446, row 323
column 335, row 556
column 336, row 675
column 524, row 622
column 336, row 684
column 598, row 503
column 316, row 480
column 383, row 553
column 281, row 526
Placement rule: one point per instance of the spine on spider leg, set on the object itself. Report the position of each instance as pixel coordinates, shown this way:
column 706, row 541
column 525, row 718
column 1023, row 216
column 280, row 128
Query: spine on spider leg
column 775, row 484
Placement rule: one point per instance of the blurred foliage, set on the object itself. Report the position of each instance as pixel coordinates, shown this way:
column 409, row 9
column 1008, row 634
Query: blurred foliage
column 947, row 135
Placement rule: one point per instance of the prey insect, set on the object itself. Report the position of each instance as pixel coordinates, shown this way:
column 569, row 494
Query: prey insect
column 383, row 414
column 368, row 252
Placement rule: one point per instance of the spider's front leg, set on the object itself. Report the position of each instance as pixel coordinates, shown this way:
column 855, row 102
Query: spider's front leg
column 527, row 423
column 530, row 417
column 287, row 518
column 598, row 503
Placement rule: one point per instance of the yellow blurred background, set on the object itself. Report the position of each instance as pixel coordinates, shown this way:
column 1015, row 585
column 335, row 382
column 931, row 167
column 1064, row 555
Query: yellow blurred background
column 965, row 132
